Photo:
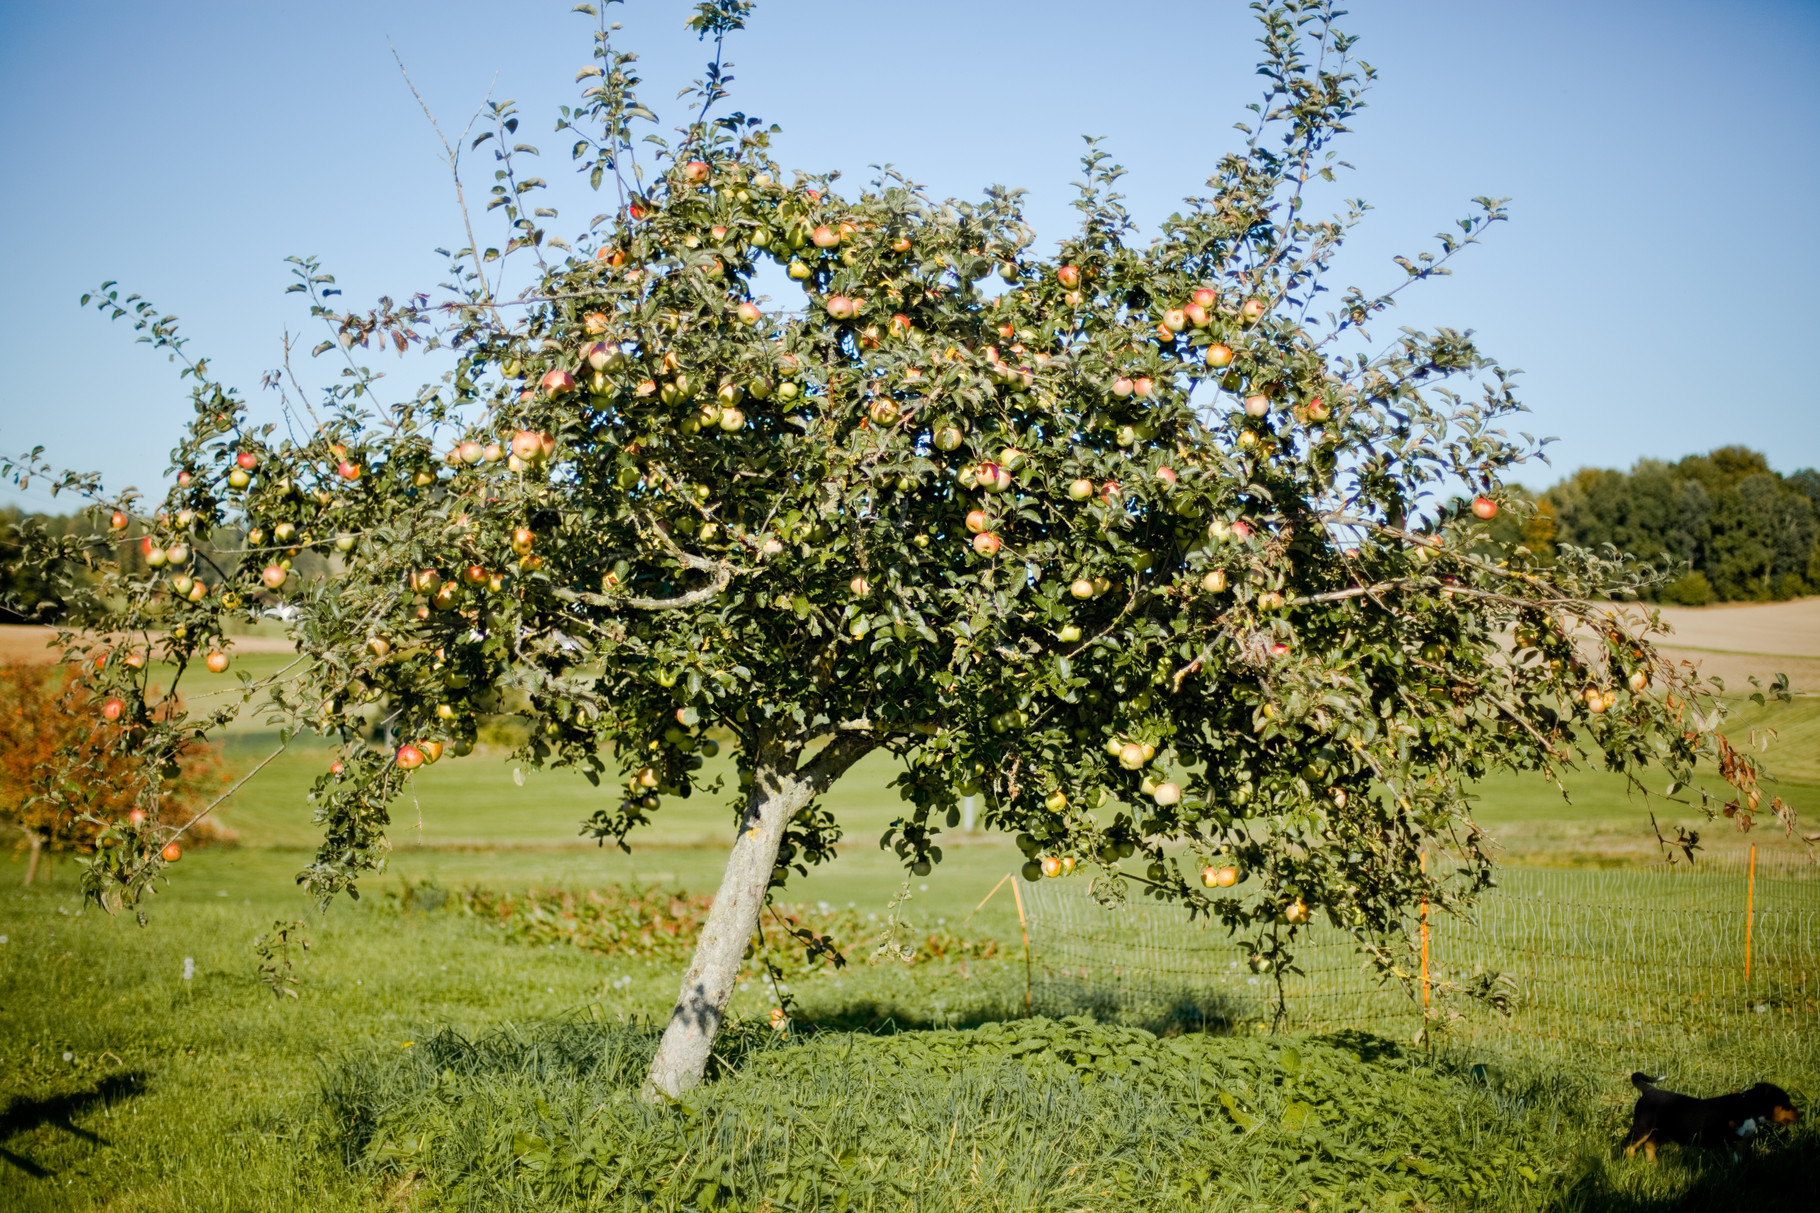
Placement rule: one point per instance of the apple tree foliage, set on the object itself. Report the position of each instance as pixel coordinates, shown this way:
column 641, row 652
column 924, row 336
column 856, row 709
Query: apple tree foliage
column 1146, row 542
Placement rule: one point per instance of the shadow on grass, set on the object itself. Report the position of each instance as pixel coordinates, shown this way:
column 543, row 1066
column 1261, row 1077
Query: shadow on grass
column 22, row 1116
column 1160, row 1011
column 1778, row 1176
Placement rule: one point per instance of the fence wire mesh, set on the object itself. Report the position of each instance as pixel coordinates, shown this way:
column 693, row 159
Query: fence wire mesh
column 1620, row 970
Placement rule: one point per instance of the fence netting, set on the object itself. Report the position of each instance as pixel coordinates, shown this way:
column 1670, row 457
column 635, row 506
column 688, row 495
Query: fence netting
column 1620, row 970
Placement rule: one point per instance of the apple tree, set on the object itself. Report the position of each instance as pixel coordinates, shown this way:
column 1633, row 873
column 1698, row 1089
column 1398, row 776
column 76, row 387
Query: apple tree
column 1145, row 542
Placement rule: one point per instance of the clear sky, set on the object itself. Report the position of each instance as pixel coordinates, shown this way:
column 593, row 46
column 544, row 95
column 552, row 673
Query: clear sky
column 1656, row 282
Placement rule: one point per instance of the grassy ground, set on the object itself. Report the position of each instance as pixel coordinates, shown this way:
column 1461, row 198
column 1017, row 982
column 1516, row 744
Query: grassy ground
column 125, row 1084
column 135, row 1087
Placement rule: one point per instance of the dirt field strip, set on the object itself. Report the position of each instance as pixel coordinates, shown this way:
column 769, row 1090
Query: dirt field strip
column 21, row 642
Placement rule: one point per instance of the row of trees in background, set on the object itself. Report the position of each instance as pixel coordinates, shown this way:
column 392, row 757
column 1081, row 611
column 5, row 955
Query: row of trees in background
column 28, row 593
column 1729, row 527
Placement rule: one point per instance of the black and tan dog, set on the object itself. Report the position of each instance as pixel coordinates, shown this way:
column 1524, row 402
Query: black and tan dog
column 1726, row 1121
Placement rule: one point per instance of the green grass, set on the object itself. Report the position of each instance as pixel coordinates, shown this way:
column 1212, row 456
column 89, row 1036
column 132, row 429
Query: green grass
column 210, row 1092
column 360, row 1094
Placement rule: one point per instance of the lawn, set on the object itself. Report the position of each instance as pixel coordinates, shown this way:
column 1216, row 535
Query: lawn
column 151, row 1068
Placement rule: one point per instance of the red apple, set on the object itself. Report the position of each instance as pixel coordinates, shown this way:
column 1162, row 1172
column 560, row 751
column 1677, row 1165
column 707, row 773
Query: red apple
column 1166, row 794
column 247, row 460
column 1206, row 297
column 336, row 768
column 1257, row 404
column 471, row 452
column 747, row 312
column 113, row 709
column 348, row 470
column 274, row 576
column 824, row 237
column 1251, row 309
column 840, row 307
column 119, row 521
column 695, row 172
column 1219, row 355
column 409, row 757
column 171, row 852
column 557, row 382
column 1142, row 385
column 432, row 750
column 1196, row 314
column 1052, row 866
column 1069, row 276
column 1122, row 387
column 978, row 521
column 1279, row 649
column 900, row 325
column 986, row 543
column 901, row 244
column 217, row 662
column 1167, row 476
column 1225, row 878
column 474, row 575
column 136, row 817
column 1241, row 528
column 1484, row 507
column 522, row 539
column 528, row 445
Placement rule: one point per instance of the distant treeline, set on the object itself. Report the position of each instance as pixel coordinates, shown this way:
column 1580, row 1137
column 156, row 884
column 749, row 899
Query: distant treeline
column 27, row 595
column 1732, row 529
column 1729, row 528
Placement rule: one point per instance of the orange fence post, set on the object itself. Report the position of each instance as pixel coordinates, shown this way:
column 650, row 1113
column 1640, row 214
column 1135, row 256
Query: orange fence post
column 1018, row 893
column 1750, row 907
column 1424, row 916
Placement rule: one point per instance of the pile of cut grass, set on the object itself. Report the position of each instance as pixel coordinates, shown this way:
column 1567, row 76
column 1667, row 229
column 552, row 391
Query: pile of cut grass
column 1034, row 1114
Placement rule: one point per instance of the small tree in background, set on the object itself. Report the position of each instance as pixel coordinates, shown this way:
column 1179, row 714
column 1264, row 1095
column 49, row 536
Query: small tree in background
column 48, row 723
column 1141, row 543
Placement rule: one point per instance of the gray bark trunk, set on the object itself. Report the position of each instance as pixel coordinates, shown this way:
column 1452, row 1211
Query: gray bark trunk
column 780, row 788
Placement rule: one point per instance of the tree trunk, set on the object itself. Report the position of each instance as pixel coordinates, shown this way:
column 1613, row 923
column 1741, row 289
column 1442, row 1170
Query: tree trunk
column 31, row 866
column 780, row 788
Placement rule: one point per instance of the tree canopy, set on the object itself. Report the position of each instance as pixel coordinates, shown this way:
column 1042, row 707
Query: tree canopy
column 1149, row 543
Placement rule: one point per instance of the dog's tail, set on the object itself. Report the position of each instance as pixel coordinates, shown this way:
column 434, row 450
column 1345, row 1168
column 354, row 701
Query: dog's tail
column 1641, row 1080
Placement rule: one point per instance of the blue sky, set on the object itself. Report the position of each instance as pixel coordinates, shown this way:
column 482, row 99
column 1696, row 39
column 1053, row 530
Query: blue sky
column 1655, row 283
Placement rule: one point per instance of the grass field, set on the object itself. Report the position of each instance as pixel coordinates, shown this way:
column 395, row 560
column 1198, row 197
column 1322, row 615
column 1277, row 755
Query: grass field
column 151, row 1068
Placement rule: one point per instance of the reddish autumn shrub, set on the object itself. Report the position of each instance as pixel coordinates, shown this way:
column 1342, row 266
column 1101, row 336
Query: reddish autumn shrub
column 54, row 737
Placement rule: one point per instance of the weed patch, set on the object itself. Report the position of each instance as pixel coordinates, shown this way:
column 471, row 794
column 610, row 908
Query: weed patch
column 649, row 923
column 1026, row 1114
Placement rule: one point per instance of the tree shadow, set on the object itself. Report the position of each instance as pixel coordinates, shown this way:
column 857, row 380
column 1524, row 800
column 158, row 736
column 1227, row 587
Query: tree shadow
column 21, row 1116
column 1777, row 1176
column 1163, row 1012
